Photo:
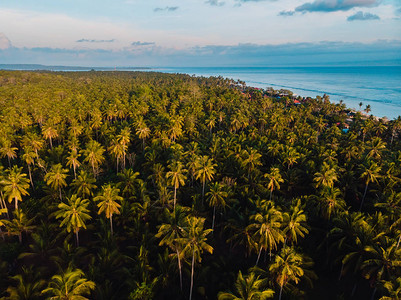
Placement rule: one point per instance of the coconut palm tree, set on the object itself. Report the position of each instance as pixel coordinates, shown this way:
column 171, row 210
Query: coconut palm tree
column 7, row 150
column 118, row 150
column 70, row 285
column 84, row 184
column 249, row 287
column 19, row 224
column 73, row 160
column 74, row 214
column 171, row 232
column 273, row 180
column 370, row 174
column 176, row 177
column 27, row 285
column 195, row 243
column 94, row 155
column 267, row 230
column 29, row 158
column 326, row 177
column 49, row 132
column 295, row 223
column 108, row 202
column 216, row 197
column 15, row 185
column 55, row 178
column 287, row 266
column 124, row 139
column 205, row 170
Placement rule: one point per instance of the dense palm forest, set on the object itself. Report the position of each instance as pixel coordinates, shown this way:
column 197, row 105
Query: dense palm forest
column 131, row 185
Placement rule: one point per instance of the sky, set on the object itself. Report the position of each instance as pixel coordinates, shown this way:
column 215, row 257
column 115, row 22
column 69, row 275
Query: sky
column 151, row 33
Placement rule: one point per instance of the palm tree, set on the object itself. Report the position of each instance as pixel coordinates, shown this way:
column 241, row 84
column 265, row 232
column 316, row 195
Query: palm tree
column 29, row 158
column 15, row 185
column 118, row 150
column 28, row 285
column 287, row 266
column 108, row 202
column 330, row 201
column 252, row 160
column 371, row 173
column 19, row 224
column 176, row 177
column 72, row 160
column 143, row 133
column 56, row 178
column 216, row 198
column 49, row 132
column 70, row 285
column 248, row 288
column 195, row 242
column 124, row 139
column 74, row 214
column 266, row 228
column 274, row 179
column 8, row 150
column 171, row 232
column 295, row 223
column 326, row 177
column 84, row 184
column 94, row 155
column 205, row 170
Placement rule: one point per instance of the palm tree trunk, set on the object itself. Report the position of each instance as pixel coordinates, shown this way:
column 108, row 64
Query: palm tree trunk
column 77, row 237
column 192, row 274
column 341, row 272
column 179, row 268
column 257, row 260
column 75, row 174
column 203, row 189
column 30, row 175
column 9, row 162
column 111, row 224
column 2, row 234
column 281, row 291
column 214, row 215
column 271, row 192
column 373, row 294
column 117, row 164
column 51, row 144
column 20, row 237
column 399, row 240
column 364, row 195
column 175, row 195
column 16, row 203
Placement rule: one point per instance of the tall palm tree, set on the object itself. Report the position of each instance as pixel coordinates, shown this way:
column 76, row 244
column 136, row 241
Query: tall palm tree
column 274, row 179
column 205, row 170
column 73, row 161
column 8, row 150
column 19, row 224
column 326, row 177
column 251, row 160
column 124, row 139
column 94, row 155
column 15, row 185
column 267, row 230
column 108, row 202
column 70, row 285
column 176, row 177
column 249, row 287
column 217, row 198
column 29, row 158
column 56, row 178
column 28, row 285
column 74, row 214
column 49, row 132
column 370, row 174
column 195, row 243
column 84, row 184
column 118, row 150
column 295, row 223
column 171, row 232
column 287, row 266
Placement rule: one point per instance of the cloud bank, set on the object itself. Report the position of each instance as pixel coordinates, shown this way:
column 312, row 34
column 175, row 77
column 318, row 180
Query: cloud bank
column 215, row 2
column 139, row 43
column 4, row 42
column 290, row 54
column 95, row 41
column 360, row 16
column 335, row 5
column 167, row 8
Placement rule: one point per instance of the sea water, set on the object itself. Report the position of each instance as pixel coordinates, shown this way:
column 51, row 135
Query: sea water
column 379, row 87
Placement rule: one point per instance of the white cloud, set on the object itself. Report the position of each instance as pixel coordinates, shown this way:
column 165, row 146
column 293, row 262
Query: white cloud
column 4, row 41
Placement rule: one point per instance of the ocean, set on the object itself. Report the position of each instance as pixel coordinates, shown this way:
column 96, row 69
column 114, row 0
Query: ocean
column 379, row 87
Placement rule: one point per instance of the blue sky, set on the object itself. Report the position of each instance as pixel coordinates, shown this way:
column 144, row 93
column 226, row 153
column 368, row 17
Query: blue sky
column 200, row 32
